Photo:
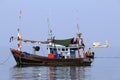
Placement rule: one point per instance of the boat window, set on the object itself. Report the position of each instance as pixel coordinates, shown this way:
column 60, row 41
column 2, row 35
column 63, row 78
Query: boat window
column 51, row 51
column 50, row 48
column 63, row 49
column 66, row 49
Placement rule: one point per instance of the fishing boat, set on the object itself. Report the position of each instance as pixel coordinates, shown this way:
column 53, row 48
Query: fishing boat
column 64, row 52
column 99, row 45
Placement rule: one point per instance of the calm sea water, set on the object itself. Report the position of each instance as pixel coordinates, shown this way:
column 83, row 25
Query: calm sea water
column 105, row 66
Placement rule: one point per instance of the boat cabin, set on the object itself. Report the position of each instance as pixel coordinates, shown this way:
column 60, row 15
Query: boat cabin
column 63, row 49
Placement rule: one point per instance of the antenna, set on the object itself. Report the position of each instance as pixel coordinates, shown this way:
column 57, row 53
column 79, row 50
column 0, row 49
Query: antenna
column 48, row 25
column 20, row 16
column 49, row 29
column 78, row 32
column 78, row 29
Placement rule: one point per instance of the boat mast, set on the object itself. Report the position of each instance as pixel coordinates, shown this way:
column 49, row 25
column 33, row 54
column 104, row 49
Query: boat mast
column 19, row 38
column 78, row 37
column 81, row 42
column 78, row 32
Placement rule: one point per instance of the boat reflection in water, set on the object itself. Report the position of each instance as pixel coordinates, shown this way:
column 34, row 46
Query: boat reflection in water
column 66, row 73
column 48, row 73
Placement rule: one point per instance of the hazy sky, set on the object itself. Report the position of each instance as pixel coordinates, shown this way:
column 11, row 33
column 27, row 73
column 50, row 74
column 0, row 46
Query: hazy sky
column 99, row 20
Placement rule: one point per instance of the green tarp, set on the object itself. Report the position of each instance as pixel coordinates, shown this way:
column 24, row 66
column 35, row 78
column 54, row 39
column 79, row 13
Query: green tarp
column 64, row 42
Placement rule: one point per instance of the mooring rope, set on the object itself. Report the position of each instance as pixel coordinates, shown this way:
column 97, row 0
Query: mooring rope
column 1, row 63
